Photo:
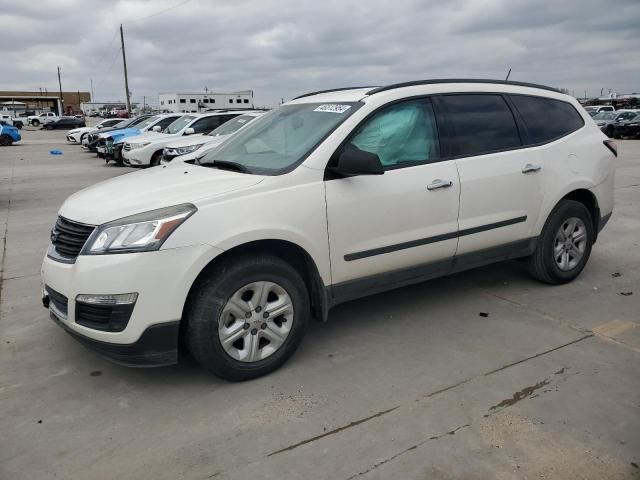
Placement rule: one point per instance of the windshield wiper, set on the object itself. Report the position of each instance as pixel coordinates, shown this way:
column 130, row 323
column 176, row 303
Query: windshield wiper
column 226, row 165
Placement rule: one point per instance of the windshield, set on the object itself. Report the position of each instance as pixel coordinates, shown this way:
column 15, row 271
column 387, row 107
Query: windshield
column 604, row 116
column 179, row 124
column 280, row 140
column 148, row 121
column 232, row 126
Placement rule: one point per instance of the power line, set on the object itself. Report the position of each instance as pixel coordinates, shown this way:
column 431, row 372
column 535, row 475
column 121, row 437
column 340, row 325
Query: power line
column 157, row 13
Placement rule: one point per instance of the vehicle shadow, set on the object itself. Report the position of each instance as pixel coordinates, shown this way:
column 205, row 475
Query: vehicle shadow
column 347, row 321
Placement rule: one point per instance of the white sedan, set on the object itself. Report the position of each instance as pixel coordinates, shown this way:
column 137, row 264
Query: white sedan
column 75, row 135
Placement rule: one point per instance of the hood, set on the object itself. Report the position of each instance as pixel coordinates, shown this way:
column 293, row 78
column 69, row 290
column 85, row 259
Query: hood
column 117, row 131
column 82, row 130
column 121, row 135
column 150, row 189
column 188, row 140
column 212, row 144
column 150, row 136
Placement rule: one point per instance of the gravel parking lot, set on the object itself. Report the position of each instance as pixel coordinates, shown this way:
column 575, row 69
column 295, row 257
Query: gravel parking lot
column 480, row 375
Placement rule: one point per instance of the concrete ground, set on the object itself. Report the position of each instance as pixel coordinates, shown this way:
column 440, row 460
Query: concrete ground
column 481, row 375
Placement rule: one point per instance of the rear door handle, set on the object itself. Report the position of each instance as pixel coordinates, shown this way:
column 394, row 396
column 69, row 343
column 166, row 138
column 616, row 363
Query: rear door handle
column 439, row 184
column 528, row 168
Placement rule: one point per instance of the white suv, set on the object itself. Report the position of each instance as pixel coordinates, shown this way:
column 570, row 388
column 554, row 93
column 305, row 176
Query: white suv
column 333, row 196
column 189, row 148
column 146, row 149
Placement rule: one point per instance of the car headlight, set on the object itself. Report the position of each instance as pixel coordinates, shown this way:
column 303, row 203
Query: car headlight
column 142, row 232
column 185, row 150
column 133, row 146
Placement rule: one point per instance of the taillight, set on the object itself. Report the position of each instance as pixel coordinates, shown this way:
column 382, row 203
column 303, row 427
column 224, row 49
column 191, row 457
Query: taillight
column 611, row 145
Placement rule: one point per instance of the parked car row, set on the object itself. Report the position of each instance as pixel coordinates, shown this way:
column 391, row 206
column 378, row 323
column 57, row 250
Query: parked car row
column 618, row 124
column 148, row 140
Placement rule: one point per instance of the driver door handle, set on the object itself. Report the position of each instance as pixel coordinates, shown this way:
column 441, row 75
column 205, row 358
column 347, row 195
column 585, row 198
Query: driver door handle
column 439, row 184
column 529, row 168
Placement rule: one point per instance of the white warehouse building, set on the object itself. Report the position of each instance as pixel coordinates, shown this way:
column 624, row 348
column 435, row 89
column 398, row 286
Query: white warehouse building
column 200, row 102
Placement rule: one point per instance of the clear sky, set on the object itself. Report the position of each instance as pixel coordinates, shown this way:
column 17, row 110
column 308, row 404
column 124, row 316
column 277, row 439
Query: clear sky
column 281, row 48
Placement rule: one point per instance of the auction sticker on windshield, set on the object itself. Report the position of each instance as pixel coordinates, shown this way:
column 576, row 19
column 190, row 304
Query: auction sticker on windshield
column 332, row 108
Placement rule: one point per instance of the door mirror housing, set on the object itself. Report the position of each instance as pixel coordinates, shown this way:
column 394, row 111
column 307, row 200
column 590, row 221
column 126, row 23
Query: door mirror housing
column 189, row 131
column 353, row 161
column 99, row 126
column 157, row 128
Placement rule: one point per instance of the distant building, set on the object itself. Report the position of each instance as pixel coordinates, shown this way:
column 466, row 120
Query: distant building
column 47, row 101
column 199, row 102
column 89, row 107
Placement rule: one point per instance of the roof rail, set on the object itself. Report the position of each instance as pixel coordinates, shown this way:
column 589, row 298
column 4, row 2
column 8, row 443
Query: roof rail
column 459, row 80
column 331, row 90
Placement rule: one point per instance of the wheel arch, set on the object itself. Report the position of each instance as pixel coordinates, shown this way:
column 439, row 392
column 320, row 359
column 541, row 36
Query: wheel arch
column 589, row 200
column 288, row 251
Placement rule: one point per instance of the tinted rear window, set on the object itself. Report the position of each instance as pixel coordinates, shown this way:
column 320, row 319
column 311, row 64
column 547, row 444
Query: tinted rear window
column 547, row 119
column 481, row 123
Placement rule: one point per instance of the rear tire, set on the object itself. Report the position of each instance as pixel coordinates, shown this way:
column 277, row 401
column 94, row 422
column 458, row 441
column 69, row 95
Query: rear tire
column 35, row 123
column 6, row 140
column 564, row 246
column 234, row 302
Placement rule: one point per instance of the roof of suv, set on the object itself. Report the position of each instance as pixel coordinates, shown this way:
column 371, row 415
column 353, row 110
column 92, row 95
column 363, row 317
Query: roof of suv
column 358, row 93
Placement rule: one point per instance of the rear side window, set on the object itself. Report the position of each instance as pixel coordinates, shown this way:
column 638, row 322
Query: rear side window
column 546, row 119
column 481, row 124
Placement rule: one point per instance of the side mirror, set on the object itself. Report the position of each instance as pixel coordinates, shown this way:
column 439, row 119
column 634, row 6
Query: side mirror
column 353, row 161
column 189, row 131
column 99, row 126
column 157, row 128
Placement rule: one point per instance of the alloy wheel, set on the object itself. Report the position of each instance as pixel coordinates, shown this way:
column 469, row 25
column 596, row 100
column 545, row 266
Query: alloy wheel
column 256, row 321
column 570, row 244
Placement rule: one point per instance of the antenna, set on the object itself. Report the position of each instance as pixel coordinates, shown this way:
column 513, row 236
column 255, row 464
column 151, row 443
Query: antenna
column 509, row 73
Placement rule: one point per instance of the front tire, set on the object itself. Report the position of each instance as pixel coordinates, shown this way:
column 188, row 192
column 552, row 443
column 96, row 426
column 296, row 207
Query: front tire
column 155, row 159
column 247, row 317
column 35, row 123
column 564, row 246
column 609, row 131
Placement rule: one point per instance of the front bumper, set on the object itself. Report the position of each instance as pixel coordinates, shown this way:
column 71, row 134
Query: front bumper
column 137, row 156
column 162, row 280
column 156, row 347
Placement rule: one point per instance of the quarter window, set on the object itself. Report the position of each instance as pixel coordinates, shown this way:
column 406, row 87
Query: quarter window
column 481, row 124
column 546, row 119
column 402, row 134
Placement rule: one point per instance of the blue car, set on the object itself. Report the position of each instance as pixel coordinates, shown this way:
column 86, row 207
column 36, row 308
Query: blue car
column 8, row 134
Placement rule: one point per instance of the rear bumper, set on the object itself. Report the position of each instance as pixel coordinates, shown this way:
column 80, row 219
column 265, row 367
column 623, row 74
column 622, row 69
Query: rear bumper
column 156, row 347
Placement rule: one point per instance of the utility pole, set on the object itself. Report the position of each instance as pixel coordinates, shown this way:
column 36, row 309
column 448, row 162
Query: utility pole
column 93, row 97
column 126, row 78
column 61, row 99
column 144, row 104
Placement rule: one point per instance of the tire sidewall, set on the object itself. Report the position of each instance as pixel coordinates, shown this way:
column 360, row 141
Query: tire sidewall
column 564, row 211
column 204, row 316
